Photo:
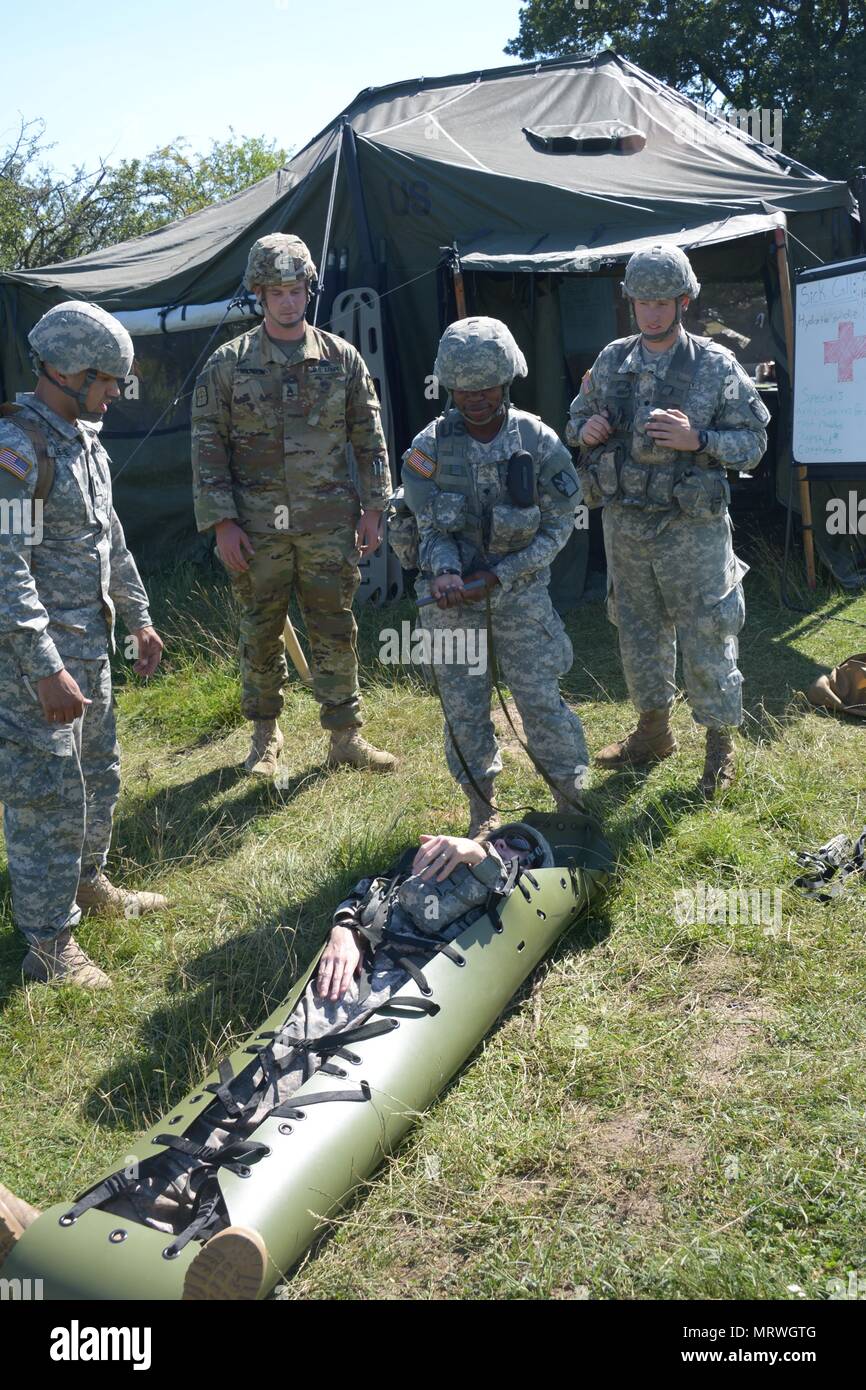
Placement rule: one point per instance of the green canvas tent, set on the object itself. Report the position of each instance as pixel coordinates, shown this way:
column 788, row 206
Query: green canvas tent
column 545, row 176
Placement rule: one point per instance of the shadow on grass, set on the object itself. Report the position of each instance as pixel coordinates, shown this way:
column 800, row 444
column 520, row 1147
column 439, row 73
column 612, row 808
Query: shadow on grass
column 173, row 821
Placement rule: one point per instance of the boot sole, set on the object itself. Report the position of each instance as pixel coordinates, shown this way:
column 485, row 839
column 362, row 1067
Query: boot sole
column 230, row 1267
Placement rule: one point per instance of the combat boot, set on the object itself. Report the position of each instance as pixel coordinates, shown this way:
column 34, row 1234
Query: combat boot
column 482, row 817
column 229, row 1267
column 100, row 895
column 62, row 961
column 652, row 740
column 347, row 747
column 15, row 1216
column 720, row 763
column 265, row 749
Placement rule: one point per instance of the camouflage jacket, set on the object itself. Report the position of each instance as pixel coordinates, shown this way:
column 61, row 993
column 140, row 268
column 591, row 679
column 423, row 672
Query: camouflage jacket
column 59, row 589
column 490, row 532
column 270, row 429
column 721, row 399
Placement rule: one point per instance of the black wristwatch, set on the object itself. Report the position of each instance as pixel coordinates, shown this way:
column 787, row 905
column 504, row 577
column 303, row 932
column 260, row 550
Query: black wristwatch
column 447, row 570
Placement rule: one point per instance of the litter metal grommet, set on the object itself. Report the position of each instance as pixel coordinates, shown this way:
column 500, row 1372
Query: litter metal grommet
column 118, row 1236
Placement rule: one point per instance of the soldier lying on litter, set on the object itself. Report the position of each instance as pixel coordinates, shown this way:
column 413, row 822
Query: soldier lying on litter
column 382, row 935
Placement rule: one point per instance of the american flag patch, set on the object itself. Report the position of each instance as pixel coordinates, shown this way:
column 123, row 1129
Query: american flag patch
column 14, row 463
column 420, row 463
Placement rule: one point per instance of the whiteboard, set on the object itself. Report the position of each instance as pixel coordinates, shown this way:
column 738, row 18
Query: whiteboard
column 830, row 364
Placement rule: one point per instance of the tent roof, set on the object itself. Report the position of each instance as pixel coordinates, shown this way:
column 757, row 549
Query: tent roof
column 483, row 137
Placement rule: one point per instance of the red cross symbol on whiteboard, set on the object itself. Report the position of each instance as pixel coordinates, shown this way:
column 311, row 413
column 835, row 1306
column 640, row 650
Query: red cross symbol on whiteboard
column 845, row 351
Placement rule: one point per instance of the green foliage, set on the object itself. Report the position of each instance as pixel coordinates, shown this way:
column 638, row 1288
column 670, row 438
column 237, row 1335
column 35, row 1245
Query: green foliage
column 45, row 219
column 806, row 58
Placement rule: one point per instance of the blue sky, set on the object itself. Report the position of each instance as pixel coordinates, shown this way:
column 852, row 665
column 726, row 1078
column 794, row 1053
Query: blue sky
column 116, row 81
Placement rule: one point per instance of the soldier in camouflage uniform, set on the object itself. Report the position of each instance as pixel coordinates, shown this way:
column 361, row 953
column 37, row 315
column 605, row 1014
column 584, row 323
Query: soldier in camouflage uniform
column 273, row 411
column 62, row 581
column 658, row 419
column 481, row 515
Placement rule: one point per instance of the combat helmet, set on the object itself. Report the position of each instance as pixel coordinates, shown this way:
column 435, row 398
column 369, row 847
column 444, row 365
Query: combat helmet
column 478, row 353
column 79, row 337
column 279, row 259
column 660, row 272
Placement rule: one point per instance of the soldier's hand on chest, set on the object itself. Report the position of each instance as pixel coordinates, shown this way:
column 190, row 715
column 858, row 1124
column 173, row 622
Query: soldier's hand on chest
column 672, row 429
column 595, row 431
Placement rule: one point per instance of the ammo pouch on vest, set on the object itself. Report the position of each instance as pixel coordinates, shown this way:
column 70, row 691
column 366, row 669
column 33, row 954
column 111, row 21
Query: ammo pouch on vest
column 702, row 492
column 632, row 467
column 514, row 523
column 449, row 510
column 512, row 528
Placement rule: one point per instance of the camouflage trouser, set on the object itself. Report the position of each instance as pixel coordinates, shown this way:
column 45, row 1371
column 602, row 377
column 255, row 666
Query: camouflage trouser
column 532, row 651
column 683, row 584
column 57, row 811
column 322, row 569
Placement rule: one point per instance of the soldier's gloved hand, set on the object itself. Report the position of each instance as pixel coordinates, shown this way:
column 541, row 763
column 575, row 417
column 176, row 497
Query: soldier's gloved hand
column 340, row 960
column 595, row 431
column 61, row 698
column 447, row 589
column 484, row 580
column 233, row 545
column 672, row 429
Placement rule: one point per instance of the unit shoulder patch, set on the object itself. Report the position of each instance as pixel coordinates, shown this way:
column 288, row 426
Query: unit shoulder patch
column 564, row 483
column 201, row 396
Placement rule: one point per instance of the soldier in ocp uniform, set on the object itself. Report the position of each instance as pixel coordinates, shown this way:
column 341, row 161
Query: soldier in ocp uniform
column 658, row 419
column 59, row 757
column 494, row 494
column 273, row 411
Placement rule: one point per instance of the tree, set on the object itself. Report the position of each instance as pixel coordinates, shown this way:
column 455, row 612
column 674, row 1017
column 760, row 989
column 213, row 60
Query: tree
column 805, row 58
column 45, row 219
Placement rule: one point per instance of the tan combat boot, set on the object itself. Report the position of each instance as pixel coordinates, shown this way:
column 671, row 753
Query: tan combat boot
column 720, row 763
column 62, row 961
column 100, row 895
column 15, row 1216
column 229, row 1267
column 348, row 747
column 652, row 740
column 482, row 817
column 265, row 749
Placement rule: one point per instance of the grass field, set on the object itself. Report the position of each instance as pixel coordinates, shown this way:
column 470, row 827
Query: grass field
column 668, row 1109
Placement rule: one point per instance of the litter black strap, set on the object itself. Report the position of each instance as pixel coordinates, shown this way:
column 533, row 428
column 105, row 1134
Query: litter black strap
column 293, row 1109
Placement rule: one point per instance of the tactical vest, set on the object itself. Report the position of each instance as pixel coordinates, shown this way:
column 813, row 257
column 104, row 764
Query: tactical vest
column 629, row 466
column 457, row 508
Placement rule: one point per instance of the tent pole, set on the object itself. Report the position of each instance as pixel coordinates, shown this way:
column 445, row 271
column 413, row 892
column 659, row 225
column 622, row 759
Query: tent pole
column 323, row 262
column 453, row 256
column 788, row 319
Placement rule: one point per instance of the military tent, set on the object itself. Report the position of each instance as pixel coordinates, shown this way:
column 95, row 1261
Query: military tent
column 544, row 176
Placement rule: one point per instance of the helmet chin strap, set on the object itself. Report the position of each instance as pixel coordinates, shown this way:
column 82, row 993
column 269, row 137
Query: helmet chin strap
column 666, row 332
column 501, row 409
column 80, row 396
